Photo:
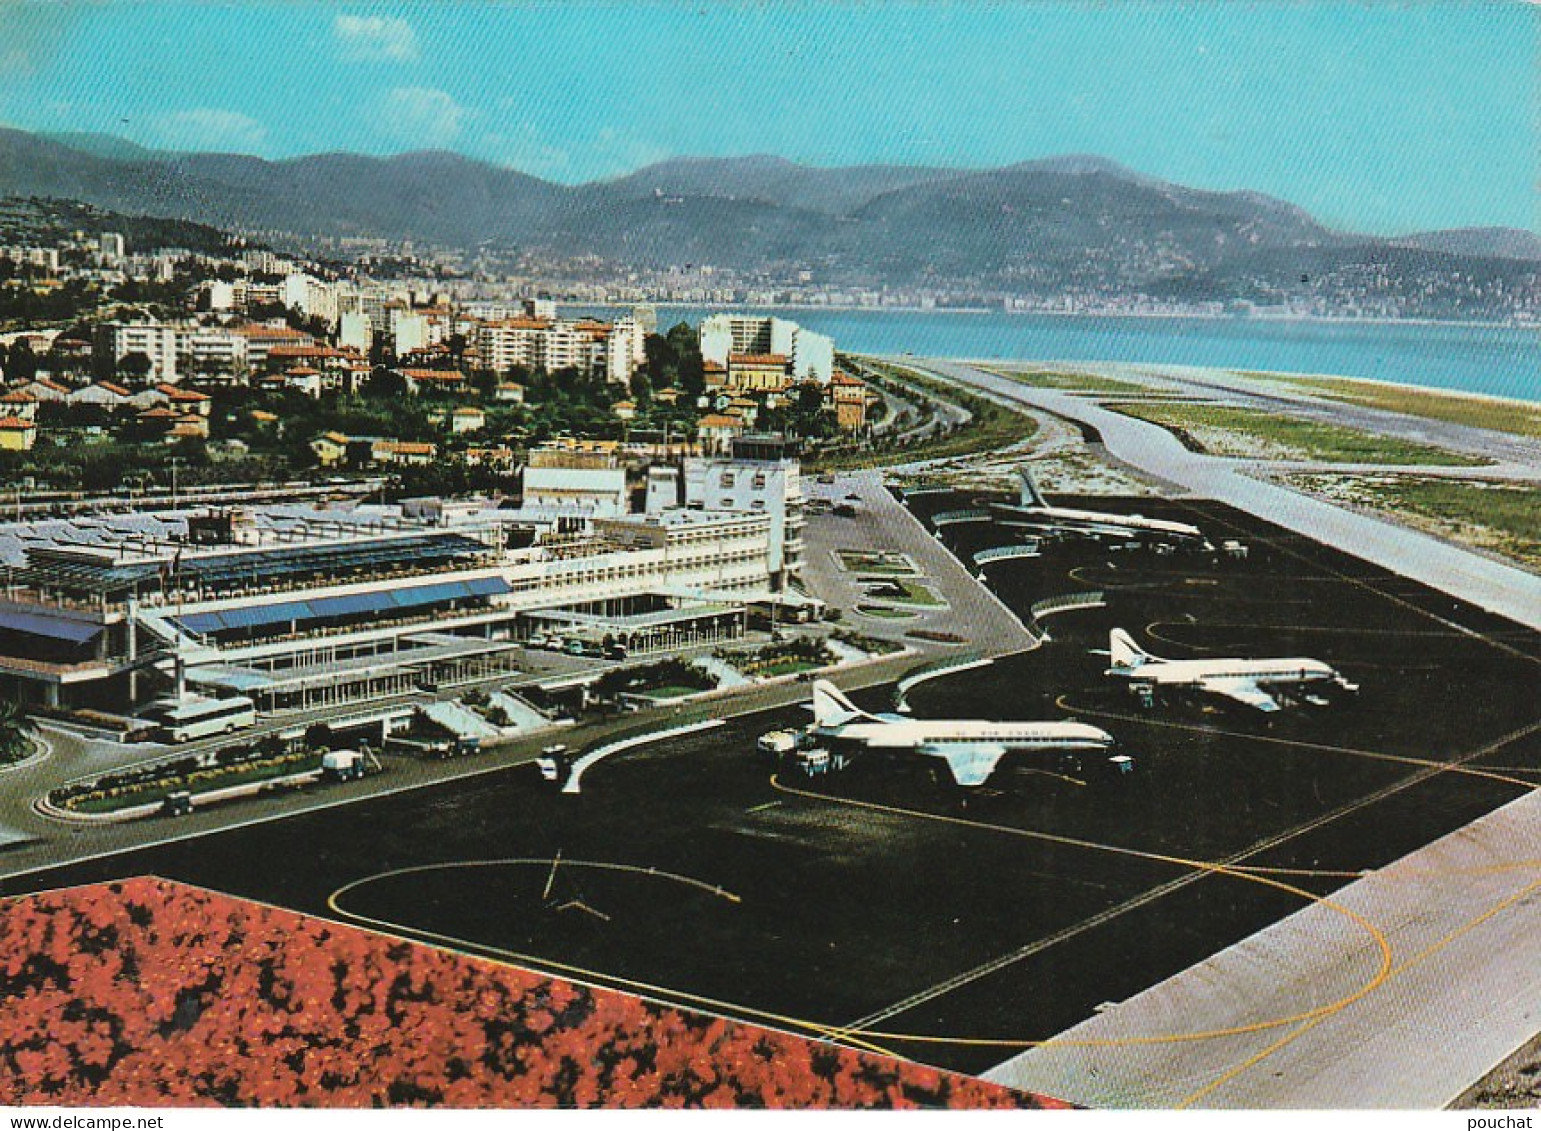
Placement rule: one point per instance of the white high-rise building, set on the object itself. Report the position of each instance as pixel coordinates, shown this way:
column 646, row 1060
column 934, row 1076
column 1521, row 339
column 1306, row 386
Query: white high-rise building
column 156, row 340
column 409, row 331
column 540, row 343
column 112, row 246
column 811, row 356
column 762, row 476
column 354, row 331
column 311, row 297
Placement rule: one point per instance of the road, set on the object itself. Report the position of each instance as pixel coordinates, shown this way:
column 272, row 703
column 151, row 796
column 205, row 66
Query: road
column 1489, row 584
column 1407, row 986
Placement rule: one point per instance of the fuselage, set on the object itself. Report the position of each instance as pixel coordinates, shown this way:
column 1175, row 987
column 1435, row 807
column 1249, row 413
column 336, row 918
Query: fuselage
column 1287, row 670
column 1094, row 520
column 914, row 734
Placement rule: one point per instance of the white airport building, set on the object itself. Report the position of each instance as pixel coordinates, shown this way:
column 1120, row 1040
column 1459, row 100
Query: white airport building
column 297, row 607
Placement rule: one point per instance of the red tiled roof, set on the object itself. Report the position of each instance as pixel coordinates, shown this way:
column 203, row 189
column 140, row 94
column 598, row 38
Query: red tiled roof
column 407, row 447
column 522, row 323
column 433, row 374
column 15, row 423
column 256, row 331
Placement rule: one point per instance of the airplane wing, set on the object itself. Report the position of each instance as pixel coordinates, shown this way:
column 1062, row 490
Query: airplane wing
column 1243, row 691
column 971, row 763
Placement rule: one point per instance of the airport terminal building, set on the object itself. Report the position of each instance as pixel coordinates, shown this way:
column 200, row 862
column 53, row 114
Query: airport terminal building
column 298, row 606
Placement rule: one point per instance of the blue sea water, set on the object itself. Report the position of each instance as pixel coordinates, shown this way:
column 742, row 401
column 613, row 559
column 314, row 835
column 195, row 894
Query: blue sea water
column 1501, row 361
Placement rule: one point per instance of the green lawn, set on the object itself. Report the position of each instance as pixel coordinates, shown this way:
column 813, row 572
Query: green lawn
column 914, row 593
column 1232, row 431
column 220, row 778
column 884, row 612
column 1074, row 382
column 993, row 428
column 1503, row 518
column 1476, row 412
column 788, row 666
column 884, row 562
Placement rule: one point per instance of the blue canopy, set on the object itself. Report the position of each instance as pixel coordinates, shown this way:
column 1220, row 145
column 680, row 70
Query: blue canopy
column 54, row 628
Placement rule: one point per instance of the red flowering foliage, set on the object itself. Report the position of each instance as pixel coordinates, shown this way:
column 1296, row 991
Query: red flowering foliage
column 151, row 993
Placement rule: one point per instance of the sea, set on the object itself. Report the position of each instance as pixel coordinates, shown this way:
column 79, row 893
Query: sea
column 1502, row 361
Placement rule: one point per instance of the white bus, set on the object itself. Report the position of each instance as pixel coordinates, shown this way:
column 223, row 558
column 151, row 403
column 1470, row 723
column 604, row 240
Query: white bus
column 199, row 717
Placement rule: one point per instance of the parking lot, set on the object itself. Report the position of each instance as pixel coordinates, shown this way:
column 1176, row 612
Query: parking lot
column 884, row 908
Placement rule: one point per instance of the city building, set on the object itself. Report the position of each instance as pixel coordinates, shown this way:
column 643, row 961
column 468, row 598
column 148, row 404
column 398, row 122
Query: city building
column 19, row 403
column 432, row 381
column 17, row 434
column 410, row 453
column 850, row 399
column 760, row 475
column 551, row 344
column 717, row 432
column 809, row 356
column 575, row 486
column 467, row 418
column 157, row 341
column 758, row 372
column 261, row 338
column 112, row 246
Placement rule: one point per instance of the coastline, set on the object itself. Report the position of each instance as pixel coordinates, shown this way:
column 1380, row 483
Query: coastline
column 1135, row 370
column 1132, row 315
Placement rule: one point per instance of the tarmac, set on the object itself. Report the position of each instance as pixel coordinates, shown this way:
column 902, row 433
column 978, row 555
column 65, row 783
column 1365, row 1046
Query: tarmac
column 31, row 841
column 1493, row 585
column 971, row 613
column 1396, row 991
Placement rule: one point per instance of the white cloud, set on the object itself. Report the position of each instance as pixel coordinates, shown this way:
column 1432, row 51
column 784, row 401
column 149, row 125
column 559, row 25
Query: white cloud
column 615, row 152
column 520, row 146
column 208, row 128
column 375, row 39
column 420, row 116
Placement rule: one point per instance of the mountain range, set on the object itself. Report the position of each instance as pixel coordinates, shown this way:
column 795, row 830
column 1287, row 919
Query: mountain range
column 1076, row 222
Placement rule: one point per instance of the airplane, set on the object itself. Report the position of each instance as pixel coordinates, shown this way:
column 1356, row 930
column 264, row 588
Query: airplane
column 1245, row 681
column 971, row 748
column 1032, row 509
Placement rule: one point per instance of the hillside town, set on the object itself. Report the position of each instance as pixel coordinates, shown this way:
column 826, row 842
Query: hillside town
column 247, row 364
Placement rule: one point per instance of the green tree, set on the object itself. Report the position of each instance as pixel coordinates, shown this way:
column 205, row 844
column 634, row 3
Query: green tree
column 135, row 366
column 385, row 384
column 687, row 353
column 16, row 731
column 22, row 364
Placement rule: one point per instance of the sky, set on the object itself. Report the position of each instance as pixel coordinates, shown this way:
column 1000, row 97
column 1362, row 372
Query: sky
column 1375, row 116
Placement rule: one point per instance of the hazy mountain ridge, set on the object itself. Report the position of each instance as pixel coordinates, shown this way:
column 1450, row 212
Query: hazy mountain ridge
column 1074, row 221
column 1504, row 243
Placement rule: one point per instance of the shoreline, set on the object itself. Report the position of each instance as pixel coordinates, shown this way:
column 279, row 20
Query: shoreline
column 1135, row 370
column 1131, row 315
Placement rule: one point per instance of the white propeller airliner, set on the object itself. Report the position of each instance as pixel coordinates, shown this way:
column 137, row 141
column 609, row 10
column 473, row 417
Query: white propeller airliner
column 1245, row 681
column 971, row 748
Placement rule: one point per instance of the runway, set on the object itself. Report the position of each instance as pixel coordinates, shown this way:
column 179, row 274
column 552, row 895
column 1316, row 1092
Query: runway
column 1504, row 589
column 1463, row 925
